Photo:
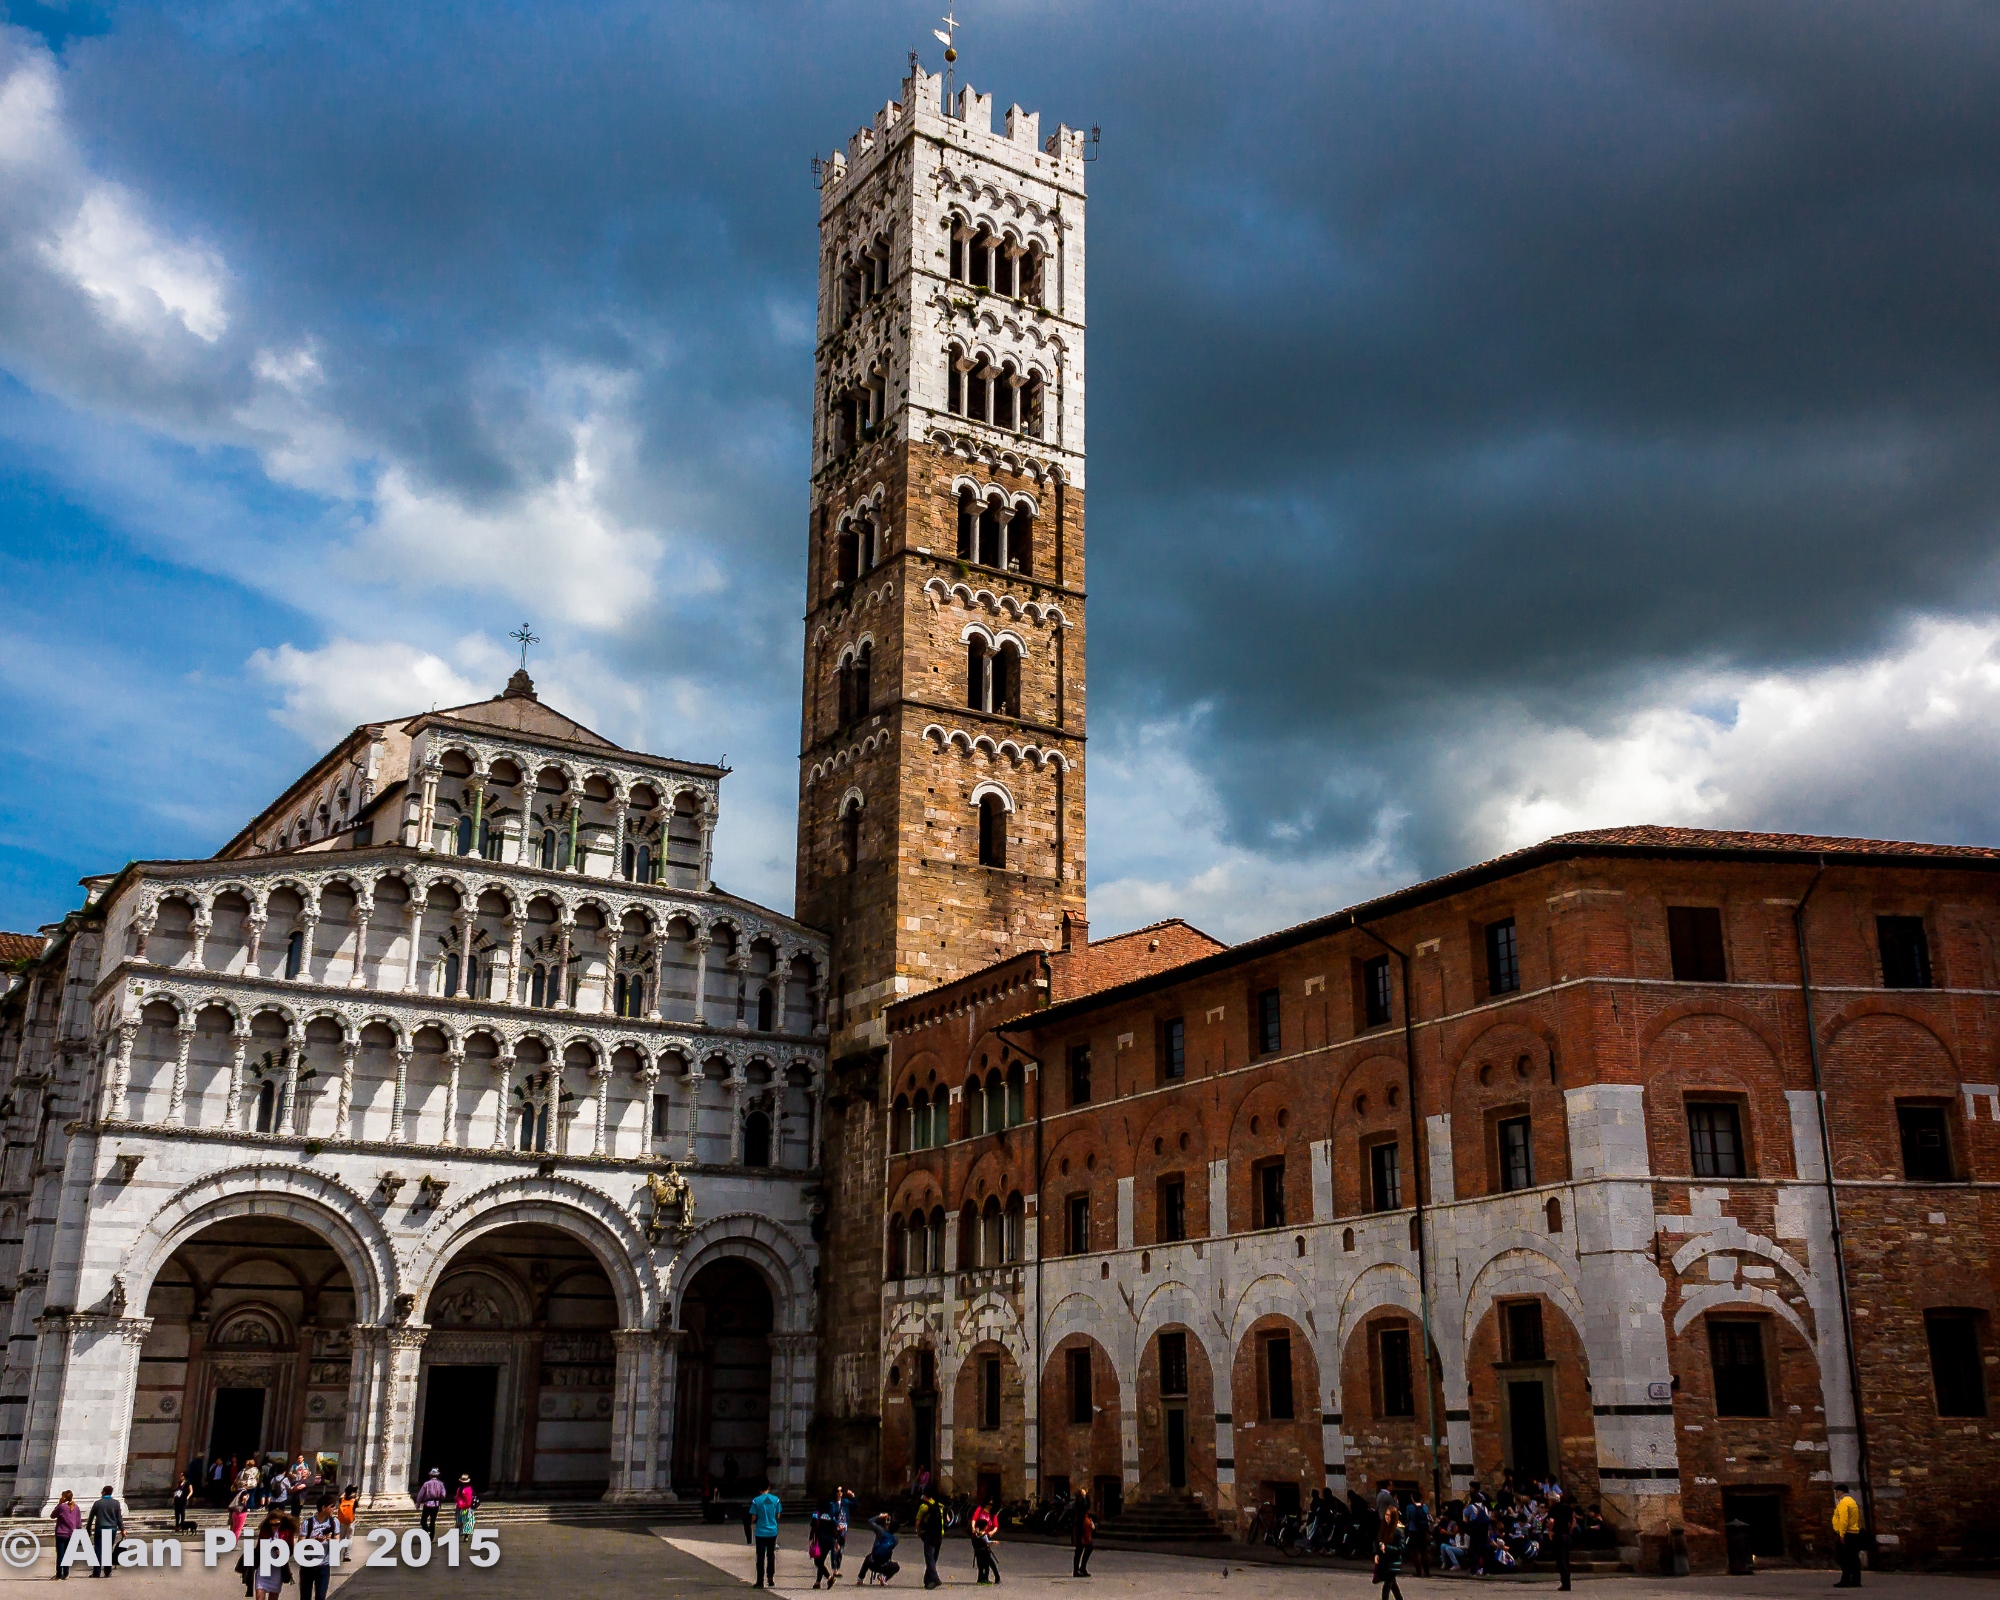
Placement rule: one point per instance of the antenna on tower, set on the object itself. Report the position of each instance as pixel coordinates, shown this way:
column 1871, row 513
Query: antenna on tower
column 944, row 36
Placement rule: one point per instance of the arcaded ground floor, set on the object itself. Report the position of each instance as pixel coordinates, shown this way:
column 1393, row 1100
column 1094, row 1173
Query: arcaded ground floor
column 607, row 1562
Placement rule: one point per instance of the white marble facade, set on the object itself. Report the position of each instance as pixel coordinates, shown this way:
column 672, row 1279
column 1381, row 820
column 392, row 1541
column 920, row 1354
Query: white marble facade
column 513, row 1012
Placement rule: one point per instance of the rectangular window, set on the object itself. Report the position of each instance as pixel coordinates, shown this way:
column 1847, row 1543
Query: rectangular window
column 1517, row 1160
column 1393, row 1360
column 989, row 1392
column 1958, row 1370
column 659, row 1116
column 1385, row 1175
column 1926, row 1143
column 1523, row 1328
column 1269, row 1036
column 1173, row 1209
column 1715, row 1138
column 1736, row 1354
column 1694, row 936
column 1906, row 952
column 1275, row 1351
column 1080, row 1408
column 1375, row 990
column 1079, row 1074
column 1270, row 1194
column 1173, row 1049
column 1079, row 1224
column 1503, row 958
column 1173, row 1364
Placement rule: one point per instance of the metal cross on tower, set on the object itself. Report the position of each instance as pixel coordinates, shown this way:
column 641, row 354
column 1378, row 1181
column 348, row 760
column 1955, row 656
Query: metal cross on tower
column 527, row 638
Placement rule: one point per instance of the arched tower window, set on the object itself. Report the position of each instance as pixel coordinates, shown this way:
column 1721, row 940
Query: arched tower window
column 992, row 831
column 991, row 535
column 538, row 986
column 295, row 953
column 850, row 836
column 270, row 1106
column 1021, row 541
column 645, row 864
column 767, row 1010
column 549, row 849
column 968, row 525
column 451, row 973
column 756, row 1139
column 464, row 836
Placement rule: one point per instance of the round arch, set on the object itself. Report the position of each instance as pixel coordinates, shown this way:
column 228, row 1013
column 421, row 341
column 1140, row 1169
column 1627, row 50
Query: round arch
column 763, row 1244
column 559, row 1203
column 312, row 1199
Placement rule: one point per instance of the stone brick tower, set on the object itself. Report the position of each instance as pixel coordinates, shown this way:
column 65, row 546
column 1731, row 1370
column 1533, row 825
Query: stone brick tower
column 941, row 767
column 941, row 814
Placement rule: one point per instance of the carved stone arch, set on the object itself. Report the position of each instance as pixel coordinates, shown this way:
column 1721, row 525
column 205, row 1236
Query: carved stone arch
column 1711, row 1297
column 342, row 1017
column 368, row 1019
column 977, row 630
column 1176, row 1304
column 1080, row 1312
column 999, row 790
column 276, row 1008
column 909, row 1328
column 991, row 1317
column 561, row 1203
column 1521, row 1265
column 1732, row 1238
column 313, row 1199
column 1272, row 1295
column 764, row 1244
column 1381, row 1284
column 597, row 1051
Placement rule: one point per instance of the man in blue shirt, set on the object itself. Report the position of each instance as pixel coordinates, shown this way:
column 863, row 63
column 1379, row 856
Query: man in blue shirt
column 764, row 1526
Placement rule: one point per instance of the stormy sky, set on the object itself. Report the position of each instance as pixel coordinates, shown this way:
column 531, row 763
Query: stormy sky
column 1503, row 418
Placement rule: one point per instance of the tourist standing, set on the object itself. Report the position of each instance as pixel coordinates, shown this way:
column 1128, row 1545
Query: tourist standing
column 930, row 1532
column 1420, row 1534
column 1389, row 1547
column 464, row 1506
column 764, row 1511
column 431, row 1494
column 1847, row 1538
column 1084, row 1532
column 985, row 1529
column 323, row 1527
column 69, row 1517
column 843, row 1516
column 1562, row 1529
column 107, row 1517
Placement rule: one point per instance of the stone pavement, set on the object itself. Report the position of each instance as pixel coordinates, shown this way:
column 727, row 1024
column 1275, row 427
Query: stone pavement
column 596, row 1561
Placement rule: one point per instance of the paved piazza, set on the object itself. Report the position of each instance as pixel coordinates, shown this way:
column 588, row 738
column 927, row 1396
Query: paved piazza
column 541, row 1560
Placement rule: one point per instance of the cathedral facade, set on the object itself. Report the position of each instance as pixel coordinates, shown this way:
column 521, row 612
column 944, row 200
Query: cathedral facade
column 450, row 1116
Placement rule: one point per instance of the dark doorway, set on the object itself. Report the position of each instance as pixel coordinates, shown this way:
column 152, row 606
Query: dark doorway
column 989, row 1489
column 725, row 1379
column 1176, row 1448
column 1528, row 1428
column 458, row 1426
column 1763, row 1510
column 238, row 1429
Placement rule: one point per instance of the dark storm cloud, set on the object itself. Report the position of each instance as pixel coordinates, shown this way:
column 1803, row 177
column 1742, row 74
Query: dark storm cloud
column 1449, row 364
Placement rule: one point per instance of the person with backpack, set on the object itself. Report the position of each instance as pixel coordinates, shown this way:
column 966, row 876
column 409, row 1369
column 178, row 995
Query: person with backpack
column 930, row 1532
column 985, row 1528
column 880, row 1562
column 1420, row 1534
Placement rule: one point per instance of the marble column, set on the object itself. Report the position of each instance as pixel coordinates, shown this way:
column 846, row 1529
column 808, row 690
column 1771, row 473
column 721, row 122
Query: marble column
column 177, row 1095
column 416, row 913
column 402, row 1095
column 308, row 931
column 364, row 908
column 702, row 941
column 515, row 995
column 90, row 1422
column 253, row 938
column 343, row 1109
column 632, row 1414
column 695, row 1078
column 601, row 1075
column 736, row 1087
column 197, row 953
column 239, row 1049
column 559, row 973
column 121, row 1072
column 666, row 1390
column 659, row 965
column 457, row 1064
column 505, row 1063
column 381, row 1412
column 427, row 810
column 295, row 1049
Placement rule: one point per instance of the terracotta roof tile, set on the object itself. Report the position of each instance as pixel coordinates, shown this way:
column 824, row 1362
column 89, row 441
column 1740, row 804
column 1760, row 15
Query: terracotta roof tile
column 21, row 947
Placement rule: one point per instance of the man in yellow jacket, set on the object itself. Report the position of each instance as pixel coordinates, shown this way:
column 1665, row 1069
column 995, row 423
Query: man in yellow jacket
column 1847, row 1538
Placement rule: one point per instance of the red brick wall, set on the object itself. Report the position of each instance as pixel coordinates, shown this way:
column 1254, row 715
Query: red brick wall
column 1085, row 1451
column 1271, row 1450
column 1200, row 1406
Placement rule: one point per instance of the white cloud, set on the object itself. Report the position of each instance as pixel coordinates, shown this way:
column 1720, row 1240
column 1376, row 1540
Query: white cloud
column 1903, row 745
column 346, row 682
column 135, row 275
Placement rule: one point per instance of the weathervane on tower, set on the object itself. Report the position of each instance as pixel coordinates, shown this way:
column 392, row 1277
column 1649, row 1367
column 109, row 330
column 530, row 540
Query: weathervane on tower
column 944, row 36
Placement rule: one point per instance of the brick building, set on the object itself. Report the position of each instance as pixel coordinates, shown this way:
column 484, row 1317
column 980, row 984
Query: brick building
column 1182, row 1232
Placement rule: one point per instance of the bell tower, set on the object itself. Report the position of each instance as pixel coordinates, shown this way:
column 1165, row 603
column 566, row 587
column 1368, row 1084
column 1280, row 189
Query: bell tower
column 941, row 773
